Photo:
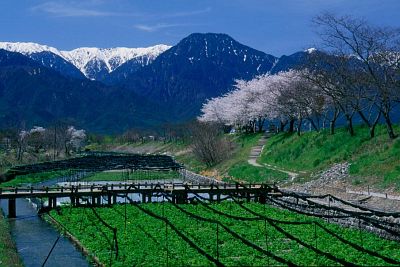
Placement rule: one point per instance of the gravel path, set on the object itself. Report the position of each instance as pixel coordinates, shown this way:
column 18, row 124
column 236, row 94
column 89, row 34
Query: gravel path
column 255, row 154
column 256, row 151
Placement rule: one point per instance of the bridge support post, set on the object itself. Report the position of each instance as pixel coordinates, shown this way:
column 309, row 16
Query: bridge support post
column 93, row 201
column 52, row 202
column 143, row 198
column 12, row 208
column 114, row 199
column 73, row 201
column 180, row 198
column 149, row 198
column 262, row 199
column 109, row 199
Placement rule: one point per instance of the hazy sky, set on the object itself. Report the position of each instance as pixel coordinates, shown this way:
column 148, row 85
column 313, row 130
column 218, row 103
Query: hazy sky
column 275, row 27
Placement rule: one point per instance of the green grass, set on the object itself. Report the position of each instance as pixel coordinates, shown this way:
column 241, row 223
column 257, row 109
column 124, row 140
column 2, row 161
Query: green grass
column 249, row 173
column 33, row 178
column 234, row 168
column 373, row 161
column 237, row 167
column 136, row 175
column 8, row 251
column 144, row 240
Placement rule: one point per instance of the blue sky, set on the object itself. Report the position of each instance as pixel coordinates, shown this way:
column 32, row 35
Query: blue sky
column 275, row 27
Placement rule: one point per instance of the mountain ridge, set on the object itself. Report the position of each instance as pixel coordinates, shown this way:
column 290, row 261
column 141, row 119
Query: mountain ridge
column 169, row 88
column 105, row 59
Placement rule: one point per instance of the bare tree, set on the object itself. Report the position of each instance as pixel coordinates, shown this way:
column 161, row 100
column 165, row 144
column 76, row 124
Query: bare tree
column 376, row 49
column 208, row 143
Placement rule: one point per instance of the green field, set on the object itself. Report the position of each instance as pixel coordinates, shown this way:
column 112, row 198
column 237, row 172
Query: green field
column 374, row 161
column 34, row 178
column 253, row 174
column 136, row 175
column 147, row 240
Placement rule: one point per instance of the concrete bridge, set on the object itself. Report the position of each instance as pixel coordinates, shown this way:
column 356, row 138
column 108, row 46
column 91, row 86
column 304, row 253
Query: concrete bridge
column 93, row 194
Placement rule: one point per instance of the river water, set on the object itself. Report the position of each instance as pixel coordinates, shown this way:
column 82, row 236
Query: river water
column 34, row 239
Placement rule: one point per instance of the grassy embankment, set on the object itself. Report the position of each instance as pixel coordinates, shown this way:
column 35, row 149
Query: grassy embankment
column 8, row 252
column 235, row 167
column 374, row 161
column 34, row 178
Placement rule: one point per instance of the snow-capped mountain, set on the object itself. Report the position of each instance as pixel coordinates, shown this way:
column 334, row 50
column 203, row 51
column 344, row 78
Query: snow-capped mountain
column 159, row 84
column 94, row 63
column 48, row 56
column 199, row 67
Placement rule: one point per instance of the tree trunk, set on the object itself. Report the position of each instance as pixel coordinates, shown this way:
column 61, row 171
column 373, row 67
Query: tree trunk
column 372, row 131
column 315, row 127
column 350, row 127
column 333, row 121
column 282, row 125
column 291, row 126
column 260, row 124
column 364, row 118
column 332, row 126
column 299, row 126
column 373, row 126
column 389, row 126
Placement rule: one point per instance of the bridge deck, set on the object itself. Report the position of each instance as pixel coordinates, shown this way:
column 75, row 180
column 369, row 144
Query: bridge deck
column 123, row 188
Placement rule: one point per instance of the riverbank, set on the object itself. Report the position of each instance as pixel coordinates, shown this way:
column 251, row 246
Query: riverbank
column 8, row 251
column 61, row 228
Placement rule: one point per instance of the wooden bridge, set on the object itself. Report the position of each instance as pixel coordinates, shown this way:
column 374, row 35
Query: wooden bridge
column 93, row 194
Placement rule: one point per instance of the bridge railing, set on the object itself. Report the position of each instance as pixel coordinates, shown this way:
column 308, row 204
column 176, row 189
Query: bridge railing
column 125, row 186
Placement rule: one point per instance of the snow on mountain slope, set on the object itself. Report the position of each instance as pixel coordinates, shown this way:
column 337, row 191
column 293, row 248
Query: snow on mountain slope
column 85, row 57
column 28, row 48
column 90, row 60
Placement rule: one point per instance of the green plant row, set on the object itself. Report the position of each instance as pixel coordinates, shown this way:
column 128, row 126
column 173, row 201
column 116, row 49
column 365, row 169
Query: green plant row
column 147, row 241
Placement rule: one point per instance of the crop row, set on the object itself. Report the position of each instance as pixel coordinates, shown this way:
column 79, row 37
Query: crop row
column 144, row 239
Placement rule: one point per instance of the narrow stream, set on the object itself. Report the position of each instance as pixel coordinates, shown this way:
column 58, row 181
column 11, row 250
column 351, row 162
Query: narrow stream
column 34, row 239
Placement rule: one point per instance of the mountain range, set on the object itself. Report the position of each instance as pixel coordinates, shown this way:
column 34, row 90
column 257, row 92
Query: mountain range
column 114, row 89
column 92, row 62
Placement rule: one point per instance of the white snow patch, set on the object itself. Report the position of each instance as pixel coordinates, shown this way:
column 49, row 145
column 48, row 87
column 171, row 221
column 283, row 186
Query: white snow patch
column 112, row 57
column 310, row 50
column 80, row 57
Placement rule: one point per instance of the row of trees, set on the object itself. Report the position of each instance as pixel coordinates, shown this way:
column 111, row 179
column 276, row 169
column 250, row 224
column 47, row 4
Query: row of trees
column 355, row 73
column 60, row 139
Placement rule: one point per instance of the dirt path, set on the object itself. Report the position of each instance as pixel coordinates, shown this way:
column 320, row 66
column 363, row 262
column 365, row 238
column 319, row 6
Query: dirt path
column 255, row 154
column 292, row 175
